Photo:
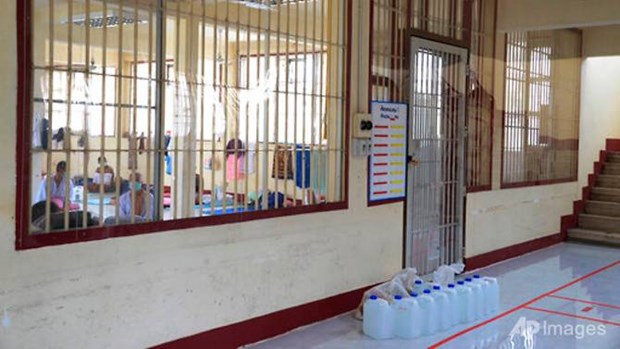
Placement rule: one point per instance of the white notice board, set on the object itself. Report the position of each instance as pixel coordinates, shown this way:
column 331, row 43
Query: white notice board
column 388, row 159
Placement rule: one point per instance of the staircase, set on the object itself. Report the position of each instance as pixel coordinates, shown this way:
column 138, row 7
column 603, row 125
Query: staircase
column 600, row 220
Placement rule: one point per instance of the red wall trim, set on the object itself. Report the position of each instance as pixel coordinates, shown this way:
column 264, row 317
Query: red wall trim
column 24, row 240
column 478, row 189
column 613, row 145
column 271, row 325
column 502, row 254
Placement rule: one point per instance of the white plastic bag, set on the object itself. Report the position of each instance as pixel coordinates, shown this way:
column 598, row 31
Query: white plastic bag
column 444, row 275
column 401, row 284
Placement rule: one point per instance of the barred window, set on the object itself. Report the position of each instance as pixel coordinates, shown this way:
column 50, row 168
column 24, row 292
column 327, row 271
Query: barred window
column 391, row 22
column 151, row 110
column 541, row 107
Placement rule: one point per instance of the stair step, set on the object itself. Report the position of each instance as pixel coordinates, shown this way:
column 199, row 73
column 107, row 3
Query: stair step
column 608, row 181
column 594, row 236
column 599, row 223
column 605, row 194
column 613, row 157
column 611, row 168
column 602, row 208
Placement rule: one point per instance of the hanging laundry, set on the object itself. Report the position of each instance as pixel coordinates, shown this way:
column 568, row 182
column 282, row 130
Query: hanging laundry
column 39, row 132
column 141, row 143
column 282, row 167
column 168, row 160
column 318, row 175
column 249, row 163
column 302, row 166
column 132, row 156
column 167, row 140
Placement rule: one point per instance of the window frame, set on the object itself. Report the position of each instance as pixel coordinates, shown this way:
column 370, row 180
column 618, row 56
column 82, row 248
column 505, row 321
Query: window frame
column 526, row 129
column 24, row 240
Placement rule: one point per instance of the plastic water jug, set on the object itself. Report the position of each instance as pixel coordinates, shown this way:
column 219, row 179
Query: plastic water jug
column 486, row 294
column 454, row 304
column 418, row 316
column 405, row 311
column 443, row 307
column 466, row 302
column 478, row 297
column 378, row 319
column 429, row 309
column 493, row 292
column 418, row 286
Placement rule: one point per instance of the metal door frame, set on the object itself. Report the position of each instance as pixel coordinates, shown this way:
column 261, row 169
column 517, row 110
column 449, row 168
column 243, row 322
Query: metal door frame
column 415, row 43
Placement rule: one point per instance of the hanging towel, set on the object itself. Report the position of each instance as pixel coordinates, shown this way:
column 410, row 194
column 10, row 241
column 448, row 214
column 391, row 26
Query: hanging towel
column 318, row 175
column 302, row 166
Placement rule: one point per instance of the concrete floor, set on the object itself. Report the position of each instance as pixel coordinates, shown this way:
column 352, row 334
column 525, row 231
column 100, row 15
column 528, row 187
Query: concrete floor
column 571, row 292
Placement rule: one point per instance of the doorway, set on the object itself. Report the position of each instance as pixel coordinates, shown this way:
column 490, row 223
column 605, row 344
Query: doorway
column 435, row 176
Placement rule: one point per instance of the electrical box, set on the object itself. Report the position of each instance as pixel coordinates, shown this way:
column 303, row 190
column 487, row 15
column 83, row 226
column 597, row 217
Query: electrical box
column 361, row 146
column 362, row 126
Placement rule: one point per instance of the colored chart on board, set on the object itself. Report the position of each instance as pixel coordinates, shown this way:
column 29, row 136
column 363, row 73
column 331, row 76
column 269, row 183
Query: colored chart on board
column 388, row 160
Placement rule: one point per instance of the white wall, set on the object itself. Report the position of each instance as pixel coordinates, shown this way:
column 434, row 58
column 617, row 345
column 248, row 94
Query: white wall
column 139, row 291
column 516, row 15
column 502, row 218
column 600, row 105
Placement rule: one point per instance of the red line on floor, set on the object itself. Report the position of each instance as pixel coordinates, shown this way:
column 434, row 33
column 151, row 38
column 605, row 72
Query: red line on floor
column 519, row 307
column 543, row 310
column 587, row 309
column 584, row 301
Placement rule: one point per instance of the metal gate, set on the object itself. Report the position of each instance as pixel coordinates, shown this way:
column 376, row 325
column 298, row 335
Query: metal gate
column 436, row 183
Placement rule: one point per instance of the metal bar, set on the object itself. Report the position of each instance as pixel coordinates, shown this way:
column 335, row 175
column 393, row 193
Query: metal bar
column 277, row 95
column 86, row 117
column 133, row 126
column 266, row 103
column 119, row 116
column 216, row 99
column 160, row 105
column 248, row 153
column 176, row 190
column 67, row 140
column 102, row 139
column 203, row 63
column 287, row 100
column 149, row 115
column 50, row 113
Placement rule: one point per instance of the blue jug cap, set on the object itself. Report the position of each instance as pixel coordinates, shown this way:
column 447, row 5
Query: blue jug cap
column 373, row 297
column 427, row 291
column 436, row 287
column 451, row 285
column 418, row 282
column 413, row 294
column 398, row 297
column 476, row 276
column 460, row 282
column 468, row 279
